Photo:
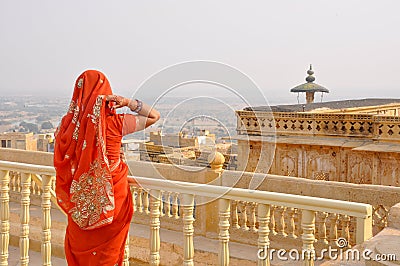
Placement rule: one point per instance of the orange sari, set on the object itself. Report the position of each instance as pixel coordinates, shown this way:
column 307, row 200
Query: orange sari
column 91, row 180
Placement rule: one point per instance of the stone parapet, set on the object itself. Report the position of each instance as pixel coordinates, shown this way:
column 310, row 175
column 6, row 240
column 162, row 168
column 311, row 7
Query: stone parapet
column 375, row 127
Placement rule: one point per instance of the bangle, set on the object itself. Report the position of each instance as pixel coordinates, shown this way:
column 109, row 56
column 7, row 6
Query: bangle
column 139, row 105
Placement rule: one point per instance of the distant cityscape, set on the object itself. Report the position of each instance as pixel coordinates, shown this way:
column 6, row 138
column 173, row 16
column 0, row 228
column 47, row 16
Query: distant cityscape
column 43, row 114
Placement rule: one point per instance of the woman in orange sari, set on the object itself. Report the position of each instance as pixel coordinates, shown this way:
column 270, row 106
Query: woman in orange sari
column 91, row 180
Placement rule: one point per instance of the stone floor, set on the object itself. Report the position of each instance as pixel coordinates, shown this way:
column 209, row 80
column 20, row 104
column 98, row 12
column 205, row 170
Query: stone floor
column 35, row 258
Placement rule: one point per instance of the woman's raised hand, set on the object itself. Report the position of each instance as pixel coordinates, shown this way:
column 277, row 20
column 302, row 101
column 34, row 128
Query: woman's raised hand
column 119, row 101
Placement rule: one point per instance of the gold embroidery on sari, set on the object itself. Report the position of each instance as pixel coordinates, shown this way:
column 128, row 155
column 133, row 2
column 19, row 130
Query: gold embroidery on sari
column 96, row 109
column 92, row 195
column 76, row 131
column 72, row 106
column 76, row 114
column 80, row 83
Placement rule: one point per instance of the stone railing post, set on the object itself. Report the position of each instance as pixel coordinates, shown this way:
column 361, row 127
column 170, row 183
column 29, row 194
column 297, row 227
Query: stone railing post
column 5, row 216
column 210, row 210
column 308, row 238
column 364, row 227
column 263, row 234
column 224, row 213
column 216, row 161
column 25, row 202
column 188, row 229
column 155, row 198
column 46, row 220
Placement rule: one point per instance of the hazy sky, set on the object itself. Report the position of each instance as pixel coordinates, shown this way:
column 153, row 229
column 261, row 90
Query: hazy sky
column 354, row 46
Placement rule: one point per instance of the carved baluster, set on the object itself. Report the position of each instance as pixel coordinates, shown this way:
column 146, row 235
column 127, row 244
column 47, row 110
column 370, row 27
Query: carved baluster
column 24, row 233
column 18, row 181
column 162, row 204
column 46, row 220
column 155, row 227
column 252, row 220
column 292, row 226
column 333, row 229
column 322, row 216
column 134, row 198
column 39, row 189
column 33, row 189
column 188, row 229
column 224, row 212
column 125, row 262
column 140, row 200
column 168, row 204
column 353, row 231
column 244, row 216
column 280, row 226
column 146, row 202
column 234, row 213
column 5, row 216
column 175, row 213
column 263, row 234
column 308, row 238
column 272, row 222
column 13, row 181
column 299, row 230
column 345, row 222
column 53, row 184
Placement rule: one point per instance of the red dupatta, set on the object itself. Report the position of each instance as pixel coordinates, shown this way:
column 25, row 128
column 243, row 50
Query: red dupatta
column 84, row 185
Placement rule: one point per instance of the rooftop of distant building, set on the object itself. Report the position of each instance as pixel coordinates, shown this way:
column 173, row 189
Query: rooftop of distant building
column 333, row 105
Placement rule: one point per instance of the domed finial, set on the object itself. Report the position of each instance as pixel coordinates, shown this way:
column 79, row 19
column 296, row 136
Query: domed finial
column 310, row 71
column 310, row 77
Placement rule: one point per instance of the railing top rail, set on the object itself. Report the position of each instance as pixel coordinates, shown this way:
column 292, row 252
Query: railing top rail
column 280, row 199
column 29, row 168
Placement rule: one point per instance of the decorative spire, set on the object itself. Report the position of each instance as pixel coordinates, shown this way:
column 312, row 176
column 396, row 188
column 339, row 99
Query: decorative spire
column 310, row 73
column 309, row 87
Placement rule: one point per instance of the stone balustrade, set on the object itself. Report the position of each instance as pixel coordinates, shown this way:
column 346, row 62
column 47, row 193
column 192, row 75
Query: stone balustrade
column 178, row 200
column 319, row 124
column 262, row 203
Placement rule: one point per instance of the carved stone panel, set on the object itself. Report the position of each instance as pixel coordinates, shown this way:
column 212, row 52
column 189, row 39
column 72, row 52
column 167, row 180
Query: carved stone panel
column 287, row 161
column 359, row 168
column 321, row 164
column 389, row 170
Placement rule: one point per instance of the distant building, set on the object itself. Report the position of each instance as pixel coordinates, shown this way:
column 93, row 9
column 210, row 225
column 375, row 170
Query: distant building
column 182, row 149
column 355, row 141
column 18, row 140
column 45, row 142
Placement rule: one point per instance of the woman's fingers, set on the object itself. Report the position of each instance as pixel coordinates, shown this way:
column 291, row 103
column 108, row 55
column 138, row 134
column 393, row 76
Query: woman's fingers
column 118, row 100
